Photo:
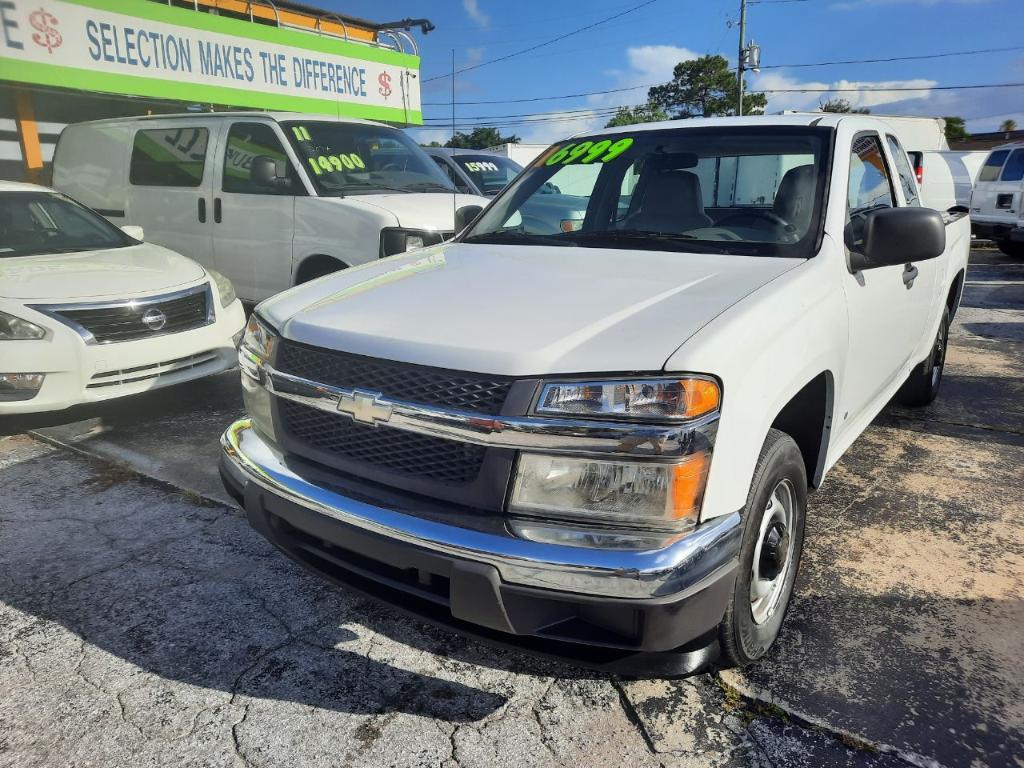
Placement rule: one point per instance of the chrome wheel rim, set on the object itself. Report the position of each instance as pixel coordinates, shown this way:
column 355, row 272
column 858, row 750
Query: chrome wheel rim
column 773, row 553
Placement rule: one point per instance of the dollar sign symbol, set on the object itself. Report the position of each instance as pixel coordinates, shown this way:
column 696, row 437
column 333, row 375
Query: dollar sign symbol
column 47, row 36
column 385, row 84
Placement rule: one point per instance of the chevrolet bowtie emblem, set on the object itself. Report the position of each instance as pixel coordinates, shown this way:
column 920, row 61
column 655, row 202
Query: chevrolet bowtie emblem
column 364, row 407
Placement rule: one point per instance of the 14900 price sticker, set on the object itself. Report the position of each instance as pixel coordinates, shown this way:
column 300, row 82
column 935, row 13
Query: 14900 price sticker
column 590, row 152
column 332, row 163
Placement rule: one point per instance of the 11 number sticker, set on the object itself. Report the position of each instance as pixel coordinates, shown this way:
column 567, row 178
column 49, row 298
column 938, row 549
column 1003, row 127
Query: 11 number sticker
column 590, row 152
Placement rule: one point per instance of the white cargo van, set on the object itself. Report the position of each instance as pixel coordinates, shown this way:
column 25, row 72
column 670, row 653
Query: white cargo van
column 268, row 199
column 997, row 205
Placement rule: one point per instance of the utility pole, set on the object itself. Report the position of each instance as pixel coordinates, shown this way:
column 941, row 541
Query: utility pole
column 740, row 58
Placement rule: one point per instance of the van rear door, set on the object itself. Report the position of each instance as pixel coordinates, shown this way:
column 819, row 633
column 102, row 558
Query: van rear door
column 254, row 223
column 170, row 180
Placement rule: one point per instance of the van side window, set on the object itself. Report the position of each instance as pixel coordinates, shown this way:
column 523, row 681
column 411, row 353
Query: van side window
column 903, row 170
column 169, row 157
column 247, row 141
column 1014, row 168
column 990, row 170
column 870, row 186
column 450, row 173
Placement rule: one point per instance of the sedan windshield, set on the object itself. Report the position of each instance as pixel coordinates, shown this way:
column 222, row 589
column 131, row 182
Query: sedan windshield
column 362, row 158
column 744, row 190
column 33, row 223
column 490, row 173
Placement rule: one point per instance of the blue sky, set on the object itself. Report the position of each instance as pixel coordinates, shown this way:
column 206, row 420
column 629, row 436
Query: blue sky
column 642, row 47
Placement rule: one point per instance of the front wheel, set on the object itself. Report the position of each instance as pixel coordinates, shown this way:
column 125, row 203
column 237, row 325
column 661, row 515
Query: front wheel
column 922, row 385
column 773, row 539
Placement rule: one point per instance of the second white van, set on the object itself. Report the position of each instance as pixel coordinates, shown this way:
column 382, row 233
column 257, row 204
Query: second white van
column 997, row 205
column 270, row 200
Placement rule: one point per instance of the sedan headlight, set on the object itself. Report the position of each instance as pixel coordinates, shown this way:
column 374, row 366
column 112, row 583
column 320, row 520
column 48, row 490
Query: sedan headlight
column 660, row 399
column 224, row 287
column 256, row 348
column 397, row 240
column 15, row 329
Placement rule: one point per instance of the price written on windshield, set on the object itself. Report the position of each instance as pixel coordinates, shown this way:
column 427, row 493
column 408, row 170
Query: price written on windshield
column 333, row 163
column 590, row 152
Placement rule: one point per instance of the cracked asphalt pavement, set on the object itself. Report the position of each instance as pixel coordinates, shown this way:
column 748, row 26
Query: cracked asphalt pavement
column 143, row 623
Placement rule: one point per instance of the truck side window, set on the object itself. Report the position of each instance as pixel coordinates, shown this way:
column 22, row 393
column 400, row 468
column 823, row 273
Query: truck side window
column 247, row 141
column 990, row 170
column 870, row 185
column 169, row 157
column 1014, row 168
column 905, row 173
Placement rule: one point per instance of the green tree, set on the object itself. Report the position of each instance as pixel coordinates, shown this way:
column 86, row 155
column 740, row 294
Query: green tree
column 704, row 87
column 480, row 138
column 955, row 129
column 645, row 113
column 1008, row 125
column 842, row 105
column 432, row 144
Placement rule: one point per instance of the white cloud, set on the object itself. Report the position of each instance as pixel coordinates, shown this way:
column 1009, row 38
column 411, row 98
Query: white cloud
column 860, row 93
column 427, row 135
column 647, row 64
column 472, row 8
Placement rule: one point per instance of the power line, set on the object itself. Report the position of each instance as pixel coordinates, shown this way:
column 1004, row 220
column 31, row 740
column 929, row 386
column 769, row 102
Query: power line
column 590, row 114
column 896, row 58
column 763, row 66
column 552, row 41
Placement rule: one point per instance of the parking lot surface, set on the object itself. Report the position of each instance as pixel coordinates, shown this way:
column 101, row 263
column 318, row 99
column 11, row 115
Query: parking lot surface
column 143, row 623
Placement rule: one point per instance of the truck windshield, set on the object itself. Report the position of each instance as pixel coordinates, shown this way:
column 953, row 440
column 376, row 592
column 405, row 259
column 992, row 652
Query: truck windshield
column 33, row 223
column 744, row 190
column 490, row 173
column 358, row 159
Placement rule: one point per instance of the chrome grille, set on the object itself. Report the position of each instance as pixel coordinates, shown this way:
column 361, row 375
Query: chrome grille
column 111, row 322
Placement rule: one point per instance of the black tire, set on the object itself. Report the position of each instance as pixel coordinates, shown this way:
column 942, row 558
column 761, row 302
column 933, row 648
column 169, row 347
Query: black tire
column 922, row 385
column 1011, row 248
column 317, row 267
column 742, row 638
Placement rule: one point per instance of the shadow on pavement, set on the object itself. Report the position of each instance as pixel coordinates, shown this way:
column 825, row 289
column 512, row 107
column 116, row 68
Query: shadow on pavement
column 190, row 594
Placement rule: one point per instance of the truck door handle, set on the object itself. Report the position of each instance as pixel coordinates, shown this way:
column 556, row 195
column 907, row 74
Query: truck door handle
column 909, row 276
column 216, row 210
column 202, row 210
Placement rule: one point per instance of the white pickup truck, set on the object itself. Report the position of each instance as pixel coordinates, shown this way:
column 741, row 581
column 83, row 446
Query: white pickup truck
column 597, row 441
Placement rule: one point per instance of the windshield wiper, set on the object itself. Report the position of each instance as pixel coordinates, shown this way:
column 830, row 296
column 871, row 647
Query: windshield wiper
column 612, row 236
column 429, row 186
column 516, row 238
column 372, row 185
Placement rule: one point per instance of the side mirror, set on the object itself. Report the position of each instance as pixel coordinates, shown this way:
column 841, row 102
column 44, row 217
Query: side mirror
column 890, row 236
column 134, row 232
column 264, row 172
column 465, row 215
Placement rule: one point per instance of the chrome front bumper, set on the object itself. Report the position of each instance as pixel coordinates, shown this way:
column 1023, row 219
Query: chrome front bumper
column 705, row 556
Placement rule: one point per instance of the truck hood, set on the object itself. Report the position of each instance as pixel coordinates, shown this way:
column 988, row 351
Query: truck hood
column 521, row 310
column 421, row 210
column 114, row 273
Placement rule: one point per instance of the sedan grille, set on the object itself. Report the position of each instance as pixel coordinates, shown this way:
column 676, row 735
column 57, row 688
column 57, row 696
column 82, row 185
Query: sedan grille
column 129, row 321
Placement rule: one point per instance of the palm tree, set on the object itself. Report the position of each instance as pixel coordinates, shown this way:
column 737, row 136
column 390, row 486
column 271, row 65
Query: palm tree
column 1008, row 125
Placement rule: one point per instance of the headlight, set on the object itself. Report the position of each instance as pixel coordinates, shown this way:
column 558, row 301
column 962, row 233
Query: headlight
column 224, row 287
column 15, row 329
column 256, row 348
column 660, row 399
column 396, row 240
column 653, row 496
